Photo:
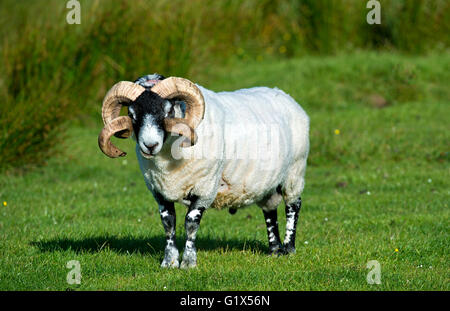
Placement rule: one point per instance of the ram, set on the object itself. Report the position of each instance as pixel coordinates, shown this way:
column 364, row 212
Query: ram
column 212, row 150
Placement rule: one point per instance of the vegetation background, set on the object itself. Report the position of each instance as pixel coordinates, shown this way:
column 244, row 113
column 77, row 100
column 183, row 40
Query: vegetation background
column 44, row 60
column 378, row 171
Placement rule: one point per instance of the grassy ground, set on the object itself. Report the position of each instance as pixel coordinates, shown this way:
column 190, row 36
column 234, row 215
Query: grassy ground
column 377, row 189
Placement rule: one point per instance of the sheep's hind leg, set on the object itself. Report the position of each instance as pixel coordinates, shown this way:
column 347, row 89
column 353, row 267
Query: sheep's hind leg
column 192, row 223
column 292, row 211
column 168, row 219
column 269, row 207
column 273, row 234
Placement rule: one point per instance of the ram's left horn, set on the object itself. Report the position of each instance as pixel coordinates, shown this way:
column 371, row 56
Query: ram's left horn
column 183, row 89
column 122, row 93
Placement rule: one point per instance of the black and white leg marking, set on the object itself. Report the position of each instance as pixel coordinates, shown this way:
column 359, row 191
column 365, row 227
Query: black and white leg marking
column 168, row 219
column 273, row 234
column 292, row 211
column 192, row 223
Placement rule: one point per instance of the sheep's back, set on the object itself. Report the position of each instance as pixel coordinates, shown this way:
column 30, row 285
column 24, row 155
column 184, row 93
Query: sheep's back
column 265, row 133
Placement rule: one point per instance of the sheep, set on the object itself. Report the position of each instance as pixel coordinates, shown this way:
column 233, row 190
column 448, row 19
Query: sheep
column 208, row 149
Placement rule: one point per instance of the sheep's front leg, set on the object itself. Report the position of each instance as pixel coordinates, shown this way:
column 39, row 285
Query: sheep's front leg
column 292, row 211
column 168, row 219
column 192, row 223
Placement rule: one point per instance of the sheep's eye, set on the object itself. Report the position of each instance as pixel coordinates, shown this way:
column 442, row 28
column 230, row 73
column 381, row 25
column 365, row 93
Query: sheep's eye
column 132, row 113
column 132, row 116
column 172, row 112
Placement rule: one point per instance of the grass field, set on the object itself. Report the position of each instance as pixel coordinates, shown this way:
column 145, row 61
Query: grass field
column 377, row 189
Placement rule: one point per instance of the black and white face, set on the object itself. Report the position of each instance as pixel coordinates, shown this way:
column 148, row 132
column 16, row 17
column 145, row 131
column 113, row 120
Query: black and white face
column 147, row 113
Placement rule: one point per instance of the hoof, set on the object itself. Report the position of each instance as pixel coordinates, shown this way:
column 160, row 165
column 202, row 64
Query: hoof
column 170, row 264
column 288, row 249
column 282, row 251
column 188, row 265
column 278, row 251
column 189, row 259
column 170, row 258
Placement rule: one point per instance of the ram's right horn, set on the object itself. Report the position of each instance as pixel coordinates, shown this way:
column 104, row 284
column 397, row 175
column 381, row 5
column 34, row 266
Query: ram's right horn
column 122, row 93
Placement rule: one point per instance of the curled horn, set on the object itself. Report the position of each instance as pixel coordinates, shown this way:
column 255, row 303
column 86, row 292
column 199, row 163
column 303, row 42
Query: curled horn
column 183, row 89
column 122, row 93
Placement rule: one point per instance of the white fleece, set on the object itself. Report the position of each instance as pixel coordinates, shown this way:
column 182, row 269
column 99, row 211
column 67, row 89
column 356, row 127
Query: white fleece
column 249, row 142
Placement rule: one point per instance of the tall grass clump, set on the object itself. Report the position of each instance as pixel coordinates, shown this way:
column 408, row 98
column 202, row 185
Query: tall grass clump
column 51, row 72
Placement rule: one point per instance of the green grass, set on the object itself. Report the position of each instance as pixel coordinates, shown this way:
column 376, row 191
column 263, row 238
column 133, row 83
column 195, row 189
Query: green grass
column 380, row 185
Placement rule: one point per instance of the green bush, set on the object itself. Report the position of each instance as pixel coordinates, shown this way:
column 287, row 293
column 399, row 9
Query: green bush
column 55, row 71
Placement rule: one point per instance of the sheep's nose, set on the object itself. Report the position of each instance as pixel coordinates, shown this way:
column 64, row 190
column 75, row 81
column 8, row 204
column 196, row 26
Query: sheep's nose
column 151, row 147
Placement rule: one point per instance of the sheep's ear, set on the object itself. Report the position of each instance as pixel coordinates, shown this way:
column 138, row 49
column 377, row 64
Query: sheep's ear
column 174, row 109
column 179, row 108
